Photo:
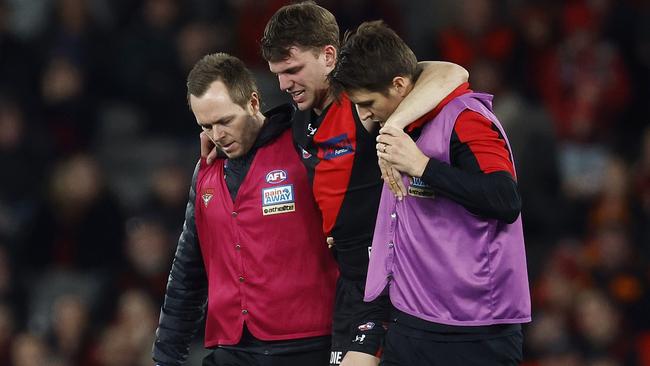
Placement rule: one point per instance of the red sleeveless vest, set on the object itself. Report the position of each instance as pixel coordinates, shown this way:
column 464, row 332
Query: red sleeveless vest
column 265, row 254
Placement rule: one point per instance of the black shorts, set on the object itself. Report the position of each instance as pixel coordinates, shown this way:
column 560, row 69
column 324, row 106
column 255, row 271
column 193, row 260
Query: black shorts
column 234, row 357
column 251, row 351
column 406, row 346
column 357, row 326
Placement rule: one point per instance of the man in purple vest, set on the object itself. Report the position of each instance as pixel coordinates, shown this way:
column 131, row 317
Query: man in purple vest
column 252, row 256
column 450, row 254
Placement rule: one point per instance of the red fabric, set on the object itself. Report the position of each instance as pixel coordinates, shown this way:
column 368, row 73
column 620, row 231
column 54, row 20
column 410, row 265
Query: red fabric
column 577, row 16
column 643, row 347
column 332, row 176
column 476, row 131
column 460, row 90
column 583, row 81
column 250, row 22
column 276, row 267
column 488, row 147
column 463, row 49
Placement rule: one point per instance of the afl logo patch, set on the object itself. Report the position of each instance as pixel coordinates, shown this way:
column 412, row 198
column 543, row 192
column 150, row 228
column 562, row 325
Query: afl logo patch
column 276, row 176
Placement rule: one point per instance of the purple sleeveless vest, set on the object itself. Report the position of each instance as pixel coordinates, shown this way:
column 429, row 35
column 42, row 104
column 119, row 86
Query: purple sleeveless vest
column 440, row 262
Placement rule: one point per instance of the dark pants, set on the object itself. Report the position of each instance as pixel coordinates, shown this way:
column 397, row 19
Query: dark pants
column 231, row 357
column 403, row 348
column 357, row 325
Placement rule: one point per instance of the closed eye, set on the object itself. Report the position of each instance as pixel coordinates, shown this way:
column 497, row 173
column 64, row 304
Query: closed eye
column 291, row 70
column 223, row 122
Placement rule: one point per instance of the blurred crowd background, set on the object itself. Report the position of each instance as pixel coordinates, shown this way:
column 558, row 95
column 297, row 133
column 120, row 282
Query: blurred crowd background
column 97, row 147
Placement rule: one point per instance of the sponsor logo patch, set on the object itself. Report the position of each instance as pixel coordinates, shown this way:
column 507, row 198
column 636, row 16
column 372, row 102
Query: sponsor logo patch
column 367, row 326
column 276, row 176
column 311, row 131
column 207, row 195
column 336, row 147
column 278, row 200
column 418, row 188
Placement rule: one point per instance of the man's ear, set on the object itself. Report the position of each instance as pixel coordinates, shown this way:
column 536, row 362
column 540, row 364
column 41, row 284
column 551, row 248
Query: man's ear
column 402, row 85
column 329, row 52
column 254, row 103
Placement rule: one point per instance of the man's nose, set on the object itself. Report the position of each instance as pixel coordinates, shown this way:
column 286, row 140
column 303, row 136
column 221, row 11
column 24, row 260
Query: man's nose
column 285, row 82
column 364, row 113
column 217, row 133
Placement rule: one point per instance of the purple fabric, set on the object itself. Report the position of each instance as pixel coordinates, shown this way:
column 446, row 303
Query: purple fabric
column 440, row 262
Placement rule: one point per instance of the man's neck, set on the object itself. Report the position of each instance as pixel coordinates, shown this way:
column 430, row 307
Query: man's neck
column 327, row 100
column 259, row 119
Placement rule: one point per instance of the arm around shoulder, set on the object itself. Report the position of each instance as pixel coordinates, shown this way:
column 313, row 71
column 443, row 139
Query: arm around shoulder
column 437, row 80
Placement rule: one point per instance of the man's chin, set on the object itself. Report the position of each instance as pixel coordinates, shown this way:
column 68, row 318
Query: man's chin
column 233, row 154
column 304, row 106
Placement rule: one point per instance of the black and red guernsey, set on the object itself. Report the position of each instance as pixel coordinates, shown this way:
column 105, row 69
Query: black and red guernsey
column 341, row 159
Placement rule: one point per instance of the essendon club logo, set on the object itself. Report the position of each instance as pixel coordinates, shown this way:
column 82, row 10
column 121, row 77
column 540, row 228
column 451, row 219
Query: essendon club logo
column 366, row 327
column 207, row 195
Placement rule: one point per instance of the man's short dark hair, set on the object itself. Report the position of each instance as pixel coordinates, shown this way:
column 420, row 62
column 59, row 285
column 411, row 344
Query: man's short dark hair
column 370, row 58
column 223, row 67
column 304, row 25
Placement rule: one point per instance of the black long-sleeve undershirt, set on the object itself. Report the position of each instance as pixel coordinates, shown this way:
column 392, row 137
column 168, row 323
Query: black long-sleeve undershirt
column 492, row 194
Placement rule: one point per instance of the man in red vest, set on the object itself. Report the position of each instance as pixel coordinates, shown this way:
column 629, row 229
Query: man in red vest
column 252, row 244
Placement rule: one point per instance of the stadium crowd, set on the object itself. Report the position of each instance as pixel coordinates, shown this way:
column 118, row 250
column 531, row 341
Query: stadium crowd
column 97, row 146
